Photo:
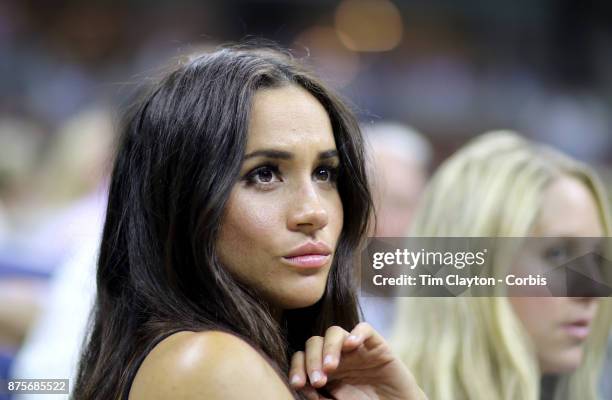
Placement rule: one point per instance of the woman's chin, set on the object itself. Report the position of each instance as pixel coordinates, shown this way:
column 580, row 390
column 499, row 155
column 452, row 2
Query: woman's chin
column 564, row 363
column 299, row 299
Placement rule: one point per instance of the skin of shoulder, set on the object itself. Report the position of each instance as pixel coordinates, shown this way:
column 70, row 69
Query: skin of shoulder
column 206, row 365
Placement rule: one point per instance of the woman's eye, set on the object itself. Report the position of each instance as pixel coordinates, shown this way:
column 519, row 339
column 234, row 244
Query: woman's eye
column 557, row 255
column 263, row 175
column 325, row 174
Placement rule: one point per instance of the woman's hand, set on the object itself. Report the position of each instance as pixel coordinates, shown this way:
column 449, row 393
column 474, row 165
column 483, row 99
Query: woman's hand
column 351, row 366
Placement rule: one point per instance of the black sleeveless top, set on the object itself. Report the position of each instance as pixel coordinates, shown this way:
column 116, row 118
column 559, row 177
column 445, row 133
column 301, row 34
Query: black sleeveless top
column 140, row 359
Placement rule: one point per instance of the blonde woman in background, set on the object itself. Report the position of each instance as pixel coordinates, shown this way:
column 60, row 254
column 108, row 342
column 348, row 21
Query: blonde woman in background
column 505, row 348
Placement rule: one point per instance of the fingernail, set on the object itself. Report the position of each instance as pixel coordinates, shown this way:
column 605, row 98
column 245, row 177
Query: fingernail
column 328, row 360
column 315, row 376
column 295, row 379
column 353, row 338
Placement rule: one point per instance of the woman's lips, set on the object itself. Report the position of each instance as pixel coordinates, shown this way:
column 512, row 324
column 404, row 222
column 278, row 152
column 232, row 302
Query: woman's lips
column 309, row 255
column 308, row 260
column 579, row 329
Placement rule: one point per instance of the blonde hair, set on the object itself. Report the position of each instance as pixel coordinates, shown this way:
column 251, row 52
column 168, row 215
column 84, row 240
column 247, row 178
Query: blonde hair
column 476, row 348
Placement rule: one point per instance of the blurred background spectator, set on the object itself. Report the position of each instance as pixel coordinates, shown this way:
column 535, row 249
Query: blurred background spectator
column 398, row 159
column 399, row 162
column 452, row 69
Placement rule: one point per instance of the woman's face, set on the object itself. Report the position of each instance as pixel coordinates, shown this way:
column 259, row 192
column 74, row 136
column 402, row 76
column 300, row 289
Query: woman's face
column 284, row 215
column 559, row 326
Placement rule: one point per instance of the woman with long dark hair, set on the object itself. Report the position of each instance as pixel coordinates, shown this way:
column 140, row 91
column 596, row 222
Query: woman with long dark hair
column 237, row 203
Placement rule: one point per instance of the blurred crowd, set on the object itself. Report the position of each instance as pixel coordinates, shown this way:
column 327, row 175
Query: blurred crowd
column 449, row 69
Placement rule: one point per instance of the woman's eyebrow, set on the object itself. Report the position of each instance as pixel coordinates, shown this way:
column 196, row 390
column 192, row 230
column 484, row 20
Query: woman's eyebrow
column 328, row 154
column 286, row 155
column 269, row 153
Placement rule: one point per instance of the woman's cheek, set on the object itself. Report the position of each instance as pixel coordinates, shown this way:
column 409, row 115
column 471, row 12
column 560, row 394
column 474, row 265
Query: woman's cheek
column 256, row 218
column 336, row 213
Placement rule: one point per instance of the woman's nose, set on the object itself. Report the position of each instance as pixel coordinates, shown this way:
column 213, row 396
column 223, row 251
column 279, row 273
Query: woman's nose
column 307, row 213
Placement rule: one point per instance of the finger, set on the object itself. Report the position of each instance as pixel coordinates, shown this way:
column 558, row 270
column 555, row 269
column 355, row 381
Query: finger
column 362, row 333
column 314, row 351
column 297, row 372
column 340, row 391
column 332, row 347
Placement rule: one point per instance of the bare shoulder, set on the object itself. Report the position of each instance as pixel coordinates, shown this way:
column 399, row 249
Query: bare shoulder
column 206, row 365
